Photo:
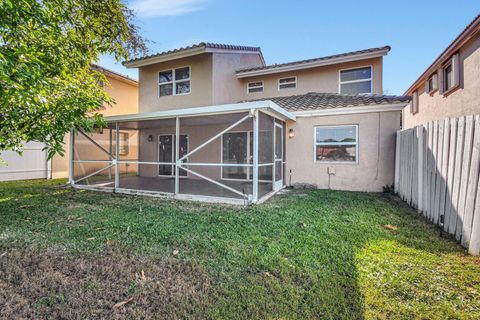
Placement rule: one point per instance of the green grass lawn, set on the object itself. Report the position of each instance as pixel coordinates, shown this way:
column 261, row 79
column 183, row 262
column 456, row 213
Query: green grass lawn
column 303, row 254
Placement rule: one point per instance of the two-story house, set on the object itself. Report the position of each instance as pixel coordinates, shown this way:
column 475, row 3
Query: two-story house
column 450, row 86
column 215, row 122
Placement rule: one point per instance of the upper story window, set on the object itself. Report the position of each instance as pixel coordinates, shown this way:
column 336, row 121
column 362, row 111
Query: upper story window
column 336, row 143
column 414, row 103
column 174, row 82
column 431, row 85
column 287, row 83
column 356, row 81
column 253, row 87
column 450, row 75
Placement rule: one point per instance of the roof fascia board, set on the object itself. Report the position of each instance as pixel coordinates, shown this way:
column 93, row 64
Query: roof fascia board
column 313, row 64
column 461, row 40
column 215, row 50
column 350, row 110
column 166, row 57
column 202, row 111
column 185, row 54
column 121, row 78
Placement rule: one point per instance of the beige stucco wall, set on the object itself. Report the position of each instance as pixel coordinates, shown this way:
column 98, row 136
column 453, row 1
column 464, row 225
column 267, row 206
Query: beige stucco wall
column 200, row 84
column 320, row 79
column 125, row 95
column 463, row 101
column 226, row 87
column 376, row 154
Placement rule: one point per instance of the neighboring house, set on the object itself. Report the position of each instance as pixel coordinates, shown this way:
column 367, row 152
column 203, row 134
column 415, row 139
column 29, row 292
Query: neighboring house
column 450, row 87
column 33, row 163
column 215, row 122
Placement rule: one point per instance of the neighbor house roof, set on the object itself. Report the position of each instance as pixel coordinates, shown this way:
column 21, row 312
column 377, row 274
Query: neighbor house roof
column 315, row 62
column 471, row 30
column 195, row 49
column 115, row 75
column 324, row 101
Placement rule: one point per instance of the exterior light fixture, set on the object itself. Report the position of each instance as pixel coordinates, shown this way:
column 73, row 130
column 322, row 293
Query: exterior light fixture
column 150, row 138
column 291, row 134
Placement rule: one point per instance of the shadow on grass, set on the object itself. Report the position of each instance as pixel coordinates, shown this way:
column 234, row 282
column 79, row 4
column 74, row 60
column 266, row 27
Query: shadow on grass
column 303, row 254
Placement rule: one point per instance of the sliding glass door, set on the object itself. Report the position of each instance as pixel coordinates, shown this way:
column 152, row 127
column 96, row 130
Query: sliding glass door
column 235, row 149
column 166, row 153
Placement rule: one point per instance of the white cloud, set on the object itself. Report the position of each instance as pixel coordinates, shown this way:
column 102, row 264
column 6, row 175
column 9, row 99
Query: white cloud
column 158, row 8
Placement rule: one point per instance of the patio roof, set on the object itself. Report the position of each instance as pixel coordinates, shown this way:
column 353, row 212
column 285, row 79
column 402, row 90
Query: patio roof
column 267, row 106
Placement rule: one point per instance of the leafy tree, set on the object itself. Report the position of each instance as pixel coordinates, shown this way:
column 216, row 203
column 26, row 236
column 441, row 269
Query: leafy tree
column 47, row 47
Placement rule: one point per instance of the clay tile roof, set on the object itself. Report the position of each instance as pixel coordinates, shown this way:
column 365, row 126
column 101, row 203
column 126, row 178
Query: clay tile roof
column 346, row 54
column 209, row 45
column 317, row 101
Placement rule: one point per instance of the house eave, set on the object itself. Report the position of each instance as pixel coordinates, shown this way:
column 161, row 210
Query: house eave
column 267, row 105
column 313, row 64
column 166, row 57
column 350, row 110
column 185, row 54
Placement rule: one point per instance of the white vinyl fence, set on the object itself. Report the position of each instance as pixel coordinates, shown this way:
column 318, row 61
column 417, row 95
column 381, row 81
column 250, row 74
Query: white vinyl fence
column 437, row 172
column 32, row 164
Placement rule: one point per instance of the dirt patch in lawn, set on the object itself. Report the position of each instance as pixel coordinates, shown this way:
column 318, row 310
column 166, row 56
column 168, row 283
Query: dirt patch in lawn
column 48, row 284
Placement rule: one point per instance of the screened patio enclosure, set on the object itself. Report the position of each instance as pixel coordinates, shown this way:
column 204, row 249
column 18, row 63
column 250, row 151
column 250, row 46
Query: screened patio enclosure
column 228, row 153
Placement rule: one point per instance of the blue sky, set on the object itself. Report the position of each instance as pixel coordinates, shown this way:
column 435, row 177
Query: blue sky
column 417, row 31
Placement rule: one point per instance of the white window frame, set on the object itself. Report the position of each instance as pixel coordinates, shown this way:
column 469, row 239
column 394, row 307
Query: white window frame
column 295, row 82
column 340, row 82
column 173, row 154
column 255, row 87
column 356, row 143
column 174, row 82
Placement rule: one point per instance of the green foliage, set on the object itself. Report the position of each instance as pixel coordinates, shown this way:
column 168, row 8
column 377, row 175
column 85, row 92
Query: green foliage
column 47, row 48
column 304, row 254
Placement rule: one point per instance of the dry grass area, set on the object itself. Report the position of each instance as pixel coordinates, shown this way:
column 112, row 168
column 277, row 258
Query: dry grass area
column 47, row 284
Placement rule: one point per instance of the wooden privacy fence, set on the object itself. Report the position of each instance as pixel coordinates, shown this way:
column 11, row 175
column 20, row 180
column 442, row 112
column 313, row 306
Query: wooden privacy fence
column 437, row 172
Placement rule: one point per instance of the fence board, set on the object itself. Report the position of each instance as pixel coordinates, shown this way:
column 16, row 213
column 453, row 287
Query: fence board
column 425, row 172
column 410, row 167
column 447, row 226
column 433, row 168
column 472, row 184
column 419, row 151
column 428, row 180
column 430, row 170
column 437, row 171
column 464, row 176
column 474, row 247
column 443, row 185
column 397, row 163
column 458, row 172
